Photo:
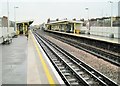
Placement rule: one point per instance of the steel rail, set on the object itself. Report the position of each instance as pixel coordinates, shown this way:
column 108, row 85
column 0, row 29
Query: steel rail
column 112, row 58
column 94, row 75
column 66, row 67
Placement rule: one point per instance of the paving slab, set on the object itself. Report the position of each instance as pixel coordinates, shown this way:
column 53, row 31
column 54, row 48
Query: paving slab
column 14, row 61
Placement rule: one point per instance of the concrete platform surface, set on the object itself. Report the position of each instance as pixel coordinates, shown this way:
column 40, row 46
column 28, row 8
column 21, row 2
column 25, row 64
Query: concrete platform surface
column 21, row 63
column 37, row 73
column 14, row 61
column 101, row 38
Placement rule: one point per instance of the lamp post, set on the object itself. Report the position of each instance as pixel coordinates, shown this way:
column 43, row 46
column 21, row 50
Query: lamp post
column 8, row 15
column 111, row 13
column 87, row 9
column 15, row 17
column 88, row 23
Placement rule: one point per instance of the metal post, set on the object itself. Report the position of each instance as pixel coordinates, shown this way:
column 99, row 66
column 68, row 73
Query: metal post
column 8, row 15
column 15, row 17
column 111, row 14
column 87, row 12
column 23, row 28
column 88, row 23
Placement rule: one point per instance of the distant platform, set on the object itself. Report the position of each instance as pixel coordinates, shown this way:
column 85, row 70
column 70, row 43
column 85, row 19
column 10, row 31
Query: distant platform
column 94, row 37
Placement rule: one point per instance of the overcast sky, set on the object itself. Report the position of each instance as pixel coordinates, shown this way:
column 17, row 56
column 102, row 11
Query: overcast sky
column 41, row 10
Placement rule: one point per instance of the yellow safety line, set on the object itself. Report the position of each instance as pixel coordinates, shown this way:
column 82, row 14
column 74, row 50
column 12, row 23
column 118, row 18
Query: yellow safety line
column 47, row 72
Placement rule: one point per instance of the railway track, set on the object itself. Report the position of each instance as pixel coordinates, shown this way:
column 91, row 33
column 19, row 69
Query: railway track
column 104, row 54
column 72, row 70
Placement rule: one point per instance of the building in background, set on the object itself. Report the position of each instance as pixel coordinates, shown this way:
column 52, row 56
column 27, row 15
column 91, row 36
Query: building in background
column 97, row 26
column 104, row 22
column 4, row 22
column 6, row 33
column 71, row 26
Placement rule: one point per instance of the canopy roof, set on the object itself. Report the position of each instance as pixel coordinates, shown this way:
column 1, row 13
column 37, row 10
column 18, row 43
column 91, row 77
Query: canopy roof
column 65, row 21
column 26, row 21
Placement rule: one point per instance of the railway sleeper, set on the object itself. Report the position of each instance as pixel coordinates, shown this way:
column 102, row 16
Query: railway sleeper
column 80, row 73
column 59, row 64
column 77, row 69
column 61, row 68
column 70, row 63
column 72, row 80
column 73, row 66
column 56, row 61
column 86, row 78
column 67, row 74
column 91, row 83
column 63, row 71
column 75, row 83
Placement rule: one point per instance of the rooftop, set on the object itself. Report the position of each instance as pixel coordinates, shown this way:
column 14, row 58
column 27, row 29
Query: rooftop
column 62, row 21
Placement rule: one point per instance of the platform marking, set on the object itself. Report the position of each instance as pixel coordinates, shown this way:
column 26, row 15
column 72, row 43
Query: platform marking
column 59, row 79
column 47, row 72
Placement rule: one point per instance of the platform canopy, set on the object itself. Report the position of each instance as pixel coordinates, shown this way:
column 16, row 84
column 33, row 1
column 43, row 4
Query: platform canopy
column 23, row 26
column 25, row 22
column 64, row 22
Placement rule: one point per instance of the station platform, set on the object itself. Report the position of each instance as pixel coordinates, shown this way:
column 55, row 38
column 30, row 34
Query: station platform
column 94, row 37
column 24, row 62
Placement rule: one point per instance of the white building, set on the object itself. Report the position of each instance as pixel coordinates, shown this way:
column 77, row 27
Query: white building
column 6, row 33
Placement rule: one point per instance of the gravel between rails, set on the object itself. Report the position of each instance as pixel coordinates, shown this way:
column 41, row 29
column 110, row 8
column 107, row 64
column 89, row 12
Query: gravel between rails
column 108, row 69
